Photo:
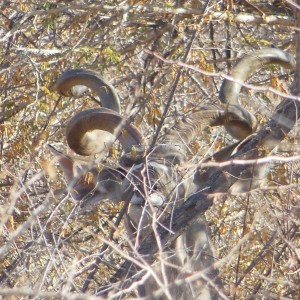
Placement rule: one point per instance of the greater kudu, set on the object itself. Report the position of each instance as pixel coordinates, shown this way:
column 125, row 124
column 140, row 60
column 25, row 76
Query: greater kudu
column 151, row 180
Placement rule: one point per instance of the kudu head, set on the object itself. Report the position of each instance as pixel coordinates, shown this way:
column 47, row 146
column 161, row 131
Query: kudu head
column 93, row 131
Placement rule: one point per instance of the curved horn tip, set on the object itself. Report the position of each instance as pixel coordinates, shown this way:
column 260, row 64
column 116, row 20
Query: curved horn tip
column 75, row 82
column 229, row 92
column 65, row 88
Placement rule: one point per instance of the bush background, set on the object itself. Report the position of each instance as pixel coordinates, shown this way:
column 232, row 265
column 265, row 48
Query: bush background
column 139, row 46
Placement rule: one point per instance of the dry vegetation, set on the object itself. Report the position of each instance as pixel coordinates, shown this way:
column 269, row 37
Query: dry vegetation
column 46, row 250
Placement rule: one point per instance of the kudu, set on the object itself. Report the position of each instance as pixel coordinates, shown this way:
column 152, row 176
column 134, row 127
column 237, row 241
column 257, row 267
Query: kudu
column 151, row 179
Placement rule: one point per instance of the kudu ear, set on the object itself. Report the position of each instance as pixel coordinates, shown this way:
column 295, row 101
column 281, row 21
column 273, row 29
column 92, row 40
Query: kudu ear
column 253, row 176
column 90, row 186
column 80, row 182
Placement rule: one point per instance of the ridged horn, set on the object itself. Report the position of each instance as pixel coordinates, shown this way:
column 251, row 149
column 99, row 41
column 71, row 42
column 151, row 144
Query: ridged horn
column 241, row 123
column 91, row 131
column 192, row 125
column 176, row 143
column 76, row 81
